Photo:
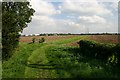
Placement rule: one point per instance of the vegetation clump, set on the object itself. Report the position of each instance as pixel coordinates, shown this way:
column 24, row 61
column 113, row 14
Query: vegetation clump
column 33, row 40
column 100, row 51
column 15, row 17
column 41, row 40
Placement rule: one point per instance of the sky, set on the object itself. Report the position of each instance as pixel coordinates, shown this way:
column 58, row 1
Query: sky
column 73, row 17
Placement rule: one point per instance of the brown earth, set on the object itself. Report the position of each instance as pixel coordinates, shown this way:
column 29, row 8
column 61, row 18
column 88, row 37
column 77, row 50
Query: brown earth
column 47, row 38
column 105, row 38
column 115, row 39
column 72, row 44
column 99, row 38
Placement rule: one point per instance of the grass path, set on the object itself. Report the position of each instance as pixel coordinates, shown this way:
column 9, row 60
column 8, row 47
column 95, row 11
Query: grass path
column 55, row 60
column 15, row 66
column 38, row 63
column 18, row 66
column 37, row 57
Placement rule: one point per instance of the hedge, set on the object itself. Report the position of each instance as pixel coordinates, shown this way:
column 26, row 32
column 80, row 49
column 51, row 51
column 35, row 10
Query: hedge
column 102, row 51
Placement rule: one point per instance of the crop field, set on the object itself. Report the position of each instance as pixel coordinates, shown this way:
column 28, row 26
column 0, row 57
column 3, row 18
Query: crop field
column 106, row 38
column 100, row 38
column 59, row 57
column 47, row 38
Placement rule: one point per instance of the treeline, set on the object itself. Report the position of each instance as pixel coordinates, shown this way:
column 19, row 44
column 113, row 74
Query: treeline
column 60, row 34
column 108, row 53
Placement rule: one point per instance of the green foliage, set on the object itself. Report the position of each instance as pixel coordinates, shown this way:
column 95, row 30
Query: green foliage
column 16, row 65
column 10, row 44
column 15, row 16
column 42, row 40
column 108, row 53
column 33, row 40
column 117, row 52
column 54, row 60
column 69, row 63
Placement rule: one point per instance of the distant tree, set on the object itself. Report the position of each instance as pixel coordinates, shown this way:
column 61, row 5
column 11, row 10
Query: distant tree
column 69, row 33
column 15, row 16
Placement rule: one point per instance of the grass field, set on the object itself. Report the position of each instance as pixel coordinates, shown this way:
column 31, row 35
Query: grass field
column 59, row 57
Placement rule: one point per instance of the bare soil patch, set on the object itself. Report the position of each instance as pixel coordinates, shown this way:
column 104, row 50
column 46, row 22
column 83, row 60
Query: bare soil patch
column 115, row 39
column 99, row 38
column 105, row 38
column 47, row 38
column 73, row 43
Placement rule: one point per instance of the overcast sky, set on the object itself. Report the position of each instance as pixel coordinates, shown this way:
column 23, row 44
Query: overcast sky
column 73, row 17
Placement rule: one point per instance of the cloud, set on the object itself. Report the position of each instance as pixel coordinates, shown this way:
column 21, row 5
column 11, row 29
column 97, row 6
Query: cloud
column 115, row 5
column 73, row 17
column 92, row 19
column 44, row 24
column 58, row 11
column 109, row 27
column 43, row 8
column 84, row 8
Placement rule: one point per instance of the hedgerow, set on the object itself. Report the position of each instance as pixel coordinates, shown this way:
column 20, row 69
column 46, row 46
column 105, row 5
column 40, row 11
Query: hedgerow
column 101, row 51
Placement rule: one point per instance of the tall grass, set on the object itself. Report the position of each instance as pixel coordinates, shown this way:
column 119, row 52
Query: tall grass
column 71, row 64
column 54, row 60
column 15, row 66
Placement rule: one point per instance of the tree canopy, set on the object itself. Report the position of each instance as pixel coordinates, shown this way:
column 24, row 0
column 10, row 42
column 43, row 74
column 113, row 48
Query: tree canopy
column 15, row 17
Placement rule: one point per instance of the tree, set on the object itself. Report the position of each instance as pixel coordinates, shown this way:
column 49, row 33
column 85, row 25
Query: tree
column 15, row 17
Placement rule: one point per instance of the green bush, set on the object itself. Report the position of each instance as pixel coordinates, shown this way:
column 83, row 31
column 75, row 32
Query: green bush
column 42, row 40
column 33, row 40
column 9, row 42
column 100, row 51
column 117, row 52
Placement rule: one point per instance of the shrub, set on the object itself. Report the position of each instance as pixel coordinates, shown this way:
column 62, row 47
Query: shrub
column 33, row 40
column 42, row 40
column 99, row 50
column 9, row 42
column 117, row 52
